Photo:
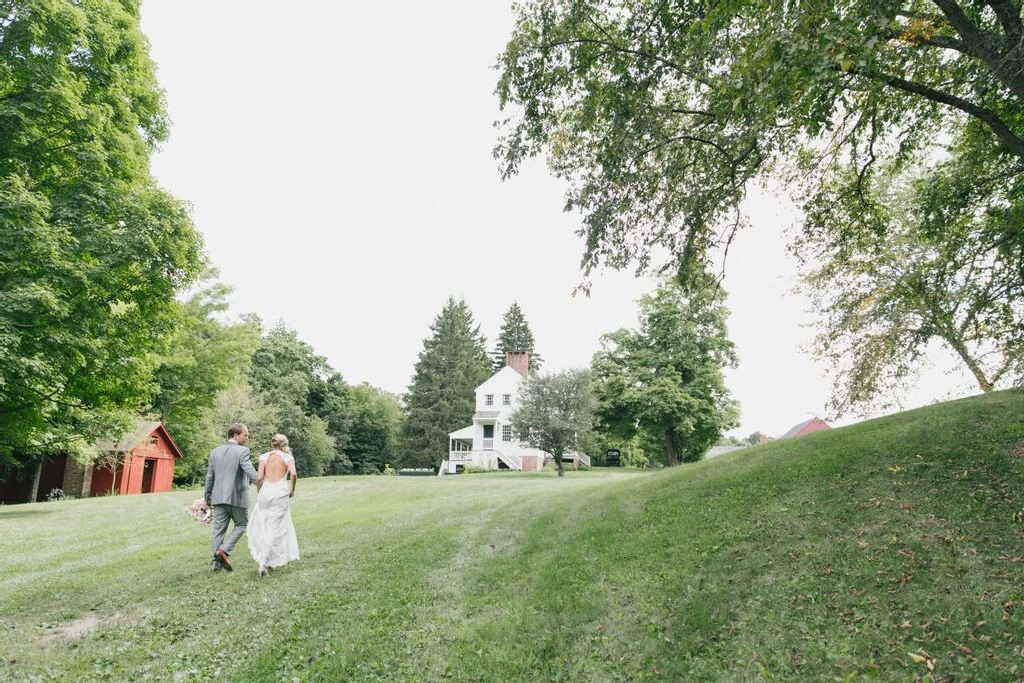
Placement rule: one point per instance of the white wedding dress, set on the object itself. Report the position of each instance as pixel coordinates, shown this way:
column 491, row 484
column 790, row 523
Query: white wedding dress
column 272, row 539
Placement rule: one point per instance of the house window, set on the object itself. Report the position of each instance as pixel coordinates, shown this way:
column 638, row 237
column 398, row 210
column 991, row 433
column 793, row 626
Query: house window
column 506, row 400
column 489, row 399
column 506, row 432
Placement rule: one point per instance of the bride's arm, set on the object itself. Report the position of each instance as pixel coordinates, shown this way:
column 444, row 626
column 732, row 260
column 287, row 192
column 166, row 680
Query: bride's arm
column 261, row 474
column 291, row 470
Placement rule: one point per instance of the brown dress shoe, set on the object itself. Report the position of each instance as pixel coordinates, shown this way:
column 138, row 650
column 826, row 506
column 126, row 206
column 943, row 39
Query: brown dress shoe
column 223, row 557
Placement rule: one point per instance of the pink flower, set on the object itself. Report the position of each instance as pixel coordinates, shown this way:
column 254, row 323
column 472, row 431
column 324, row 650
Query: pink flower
column 200, row 511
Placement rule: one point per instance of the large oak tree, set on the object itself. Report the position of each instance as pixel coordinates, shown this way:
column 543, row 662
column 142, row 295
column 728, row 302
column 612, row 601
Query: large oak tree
column 664, row 381
column 92, row 251
column 659, row 114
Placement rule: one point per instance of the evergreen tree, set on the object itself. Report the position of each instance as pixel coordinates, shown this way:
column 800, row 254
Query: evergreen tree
column 515, row 335
column 441, row 398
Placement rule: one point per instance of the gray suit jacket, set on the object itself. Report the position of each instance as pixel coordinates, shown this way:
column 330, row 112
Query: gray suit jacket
column 228, row 475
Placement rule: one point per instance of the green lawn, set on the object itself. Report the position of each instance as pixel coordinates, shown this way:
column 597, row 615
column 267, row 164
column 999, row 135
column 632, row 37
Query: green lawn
column 891, row 550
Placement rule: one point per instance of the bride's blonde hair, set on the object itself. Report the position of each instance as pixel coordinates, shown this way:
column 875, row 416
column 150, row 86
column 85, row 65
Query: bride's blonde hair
column 280, row 443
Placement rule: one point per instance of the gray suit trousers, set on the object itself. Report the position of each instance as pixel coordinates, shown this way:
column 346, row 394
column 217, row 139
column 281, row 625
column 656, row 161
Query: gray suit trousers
column 222, row 516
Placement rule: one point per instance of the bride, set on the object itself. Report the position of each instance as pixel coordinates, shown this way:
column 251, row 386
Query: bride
column 272, row 539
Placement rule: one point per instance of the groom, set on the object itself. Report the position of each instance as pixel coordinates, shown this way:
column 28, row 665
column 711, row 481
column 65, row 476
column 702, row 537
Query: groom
column 227, row 491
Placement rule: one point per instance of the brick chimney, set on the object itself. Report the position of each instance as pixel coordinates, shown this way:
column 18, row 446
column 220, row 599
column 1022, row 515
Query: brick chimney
column 518, row 361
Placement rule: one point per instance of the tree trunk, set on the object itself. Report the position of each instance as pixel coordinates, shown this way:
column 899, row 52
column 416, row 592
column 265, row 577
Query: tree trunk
column 984, row 383
column 671, row 449
column 35, row 480
column 558, row 463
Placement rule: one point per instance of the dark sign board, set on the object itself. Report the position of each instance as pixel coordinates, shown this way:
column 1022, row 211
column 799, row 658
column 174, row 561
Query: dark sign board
column 613, row 457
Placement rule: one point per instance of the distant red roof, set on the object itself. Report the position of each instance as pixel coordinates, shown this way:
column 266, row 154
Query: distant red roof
column 815, row 424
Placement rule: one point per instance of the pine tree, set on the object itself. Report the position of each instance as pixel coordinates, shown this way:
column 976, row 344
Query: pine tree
column 441, row 397
column 515, row 335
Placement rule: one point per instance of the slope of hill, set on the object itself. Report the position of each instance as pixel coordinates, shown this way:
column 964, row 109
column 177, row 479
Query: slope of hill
column 888, row 550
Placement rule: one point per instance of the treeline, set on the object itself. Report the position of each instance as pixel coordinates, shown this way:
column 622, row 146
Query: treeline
column 214, row 373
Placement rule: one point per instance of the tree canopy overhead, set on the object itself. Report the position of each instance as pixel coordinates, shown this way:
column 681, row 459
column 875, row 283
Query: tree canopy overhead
column 658, row 114
column 92, row 252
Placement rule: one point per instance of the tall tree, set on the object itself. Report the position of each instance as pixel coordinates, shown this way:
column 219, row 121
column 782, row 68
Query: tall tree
column 658, row 114
column 376, row 425
column 666, row 380
column 234, row 404
column 311, row 397
column 556, row 413
column 92, row 252
column 441, row 397
column 201, row 357
column 515, row 335
column 907, row 273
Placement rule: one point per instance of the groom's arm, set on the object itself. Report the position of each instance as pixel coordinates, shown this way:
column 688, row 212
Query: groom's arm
column 208, row 492
column 246, row 464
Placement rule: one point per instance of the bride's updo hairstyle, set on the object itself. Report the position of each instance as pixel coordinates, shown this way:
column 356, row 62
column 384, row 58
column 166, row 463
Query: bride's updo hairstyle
column 280, row 443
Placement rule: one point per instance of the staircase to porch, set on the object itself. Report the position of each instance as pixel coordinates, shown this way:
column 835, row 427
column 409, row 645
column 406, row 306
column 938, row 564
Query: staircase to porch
column 513, row 460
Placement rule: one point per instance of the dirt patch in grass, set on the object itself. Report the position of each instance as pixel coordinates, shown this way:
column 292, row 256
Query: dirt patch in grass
column 1017, row 450
column 71, row 630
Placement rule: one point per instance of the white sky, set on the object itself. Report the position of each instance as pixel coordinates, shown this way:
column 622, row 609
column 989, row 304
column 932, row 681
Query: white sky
column 338, row 160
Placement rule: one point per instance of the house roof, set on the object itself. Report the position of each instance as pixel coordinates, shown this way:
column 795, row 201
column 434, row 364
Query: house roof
column 504, row 377
column 486, row 414
column 798, row 429
column 464, row 433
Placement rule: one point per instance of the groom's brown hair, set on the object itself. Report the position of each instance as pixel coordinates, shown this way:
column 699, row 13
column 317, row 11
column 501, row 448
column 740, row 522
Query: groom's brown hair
column 235, row 429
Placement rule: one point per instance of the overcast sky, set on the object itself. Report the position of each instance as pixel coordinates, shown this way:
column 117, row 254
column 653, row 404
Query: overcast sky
column 338, row 160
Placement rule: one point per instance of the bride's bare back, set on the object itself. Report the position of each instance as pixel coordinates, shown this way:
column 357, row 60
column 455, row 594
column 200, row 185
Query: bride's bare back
column 275, row 468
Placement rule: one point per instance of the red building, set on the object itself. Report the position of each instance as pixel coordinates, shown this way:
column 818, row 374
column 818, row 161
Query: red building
column 815, row 424
column 141, row 462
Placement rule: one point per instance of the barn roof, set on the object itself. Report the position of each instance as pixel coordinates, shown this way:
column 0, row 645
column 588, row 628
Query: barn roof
column 143, row 429
column 796, row 429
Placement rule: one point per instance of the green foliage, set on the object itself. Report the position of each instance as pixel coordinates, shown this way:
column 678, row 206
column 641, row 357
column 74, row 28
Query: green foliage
column 556, row 413
column 311, row 398
column 92, row 252
column 834, row 556
column 231, row 405
column 376, row 426
column 441, row 398
column 923, row 264
column 515, row 335
column 659, row 114
column 755, row 438
column 202, row 356
column 664, row 382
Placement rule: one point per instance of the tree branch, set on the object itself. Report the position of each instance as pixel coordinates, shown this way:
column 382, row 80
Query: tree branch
column 1004, row 67
column 1013, row 143
column 1008, row 16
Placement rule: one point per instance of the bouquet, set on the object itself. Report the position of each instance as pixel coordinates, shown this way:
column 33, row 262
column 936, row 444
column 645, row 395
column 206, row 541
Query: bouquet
column 200, row 511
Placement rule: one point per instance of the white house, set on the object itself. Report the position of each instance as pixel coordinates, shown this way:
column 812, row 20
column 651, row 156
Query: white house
column 487, row 444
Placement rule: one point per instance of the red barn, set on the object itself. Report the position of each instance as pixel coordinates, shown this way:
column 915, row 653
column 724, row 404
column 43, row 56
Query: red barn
column 815, row 424
column 143, row 462
column 146, row 464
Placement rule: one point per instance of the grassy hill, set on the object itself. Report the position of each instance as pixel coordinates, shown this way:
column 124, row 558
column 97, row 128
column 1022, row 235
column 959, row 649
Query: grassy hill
column 889, row 550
